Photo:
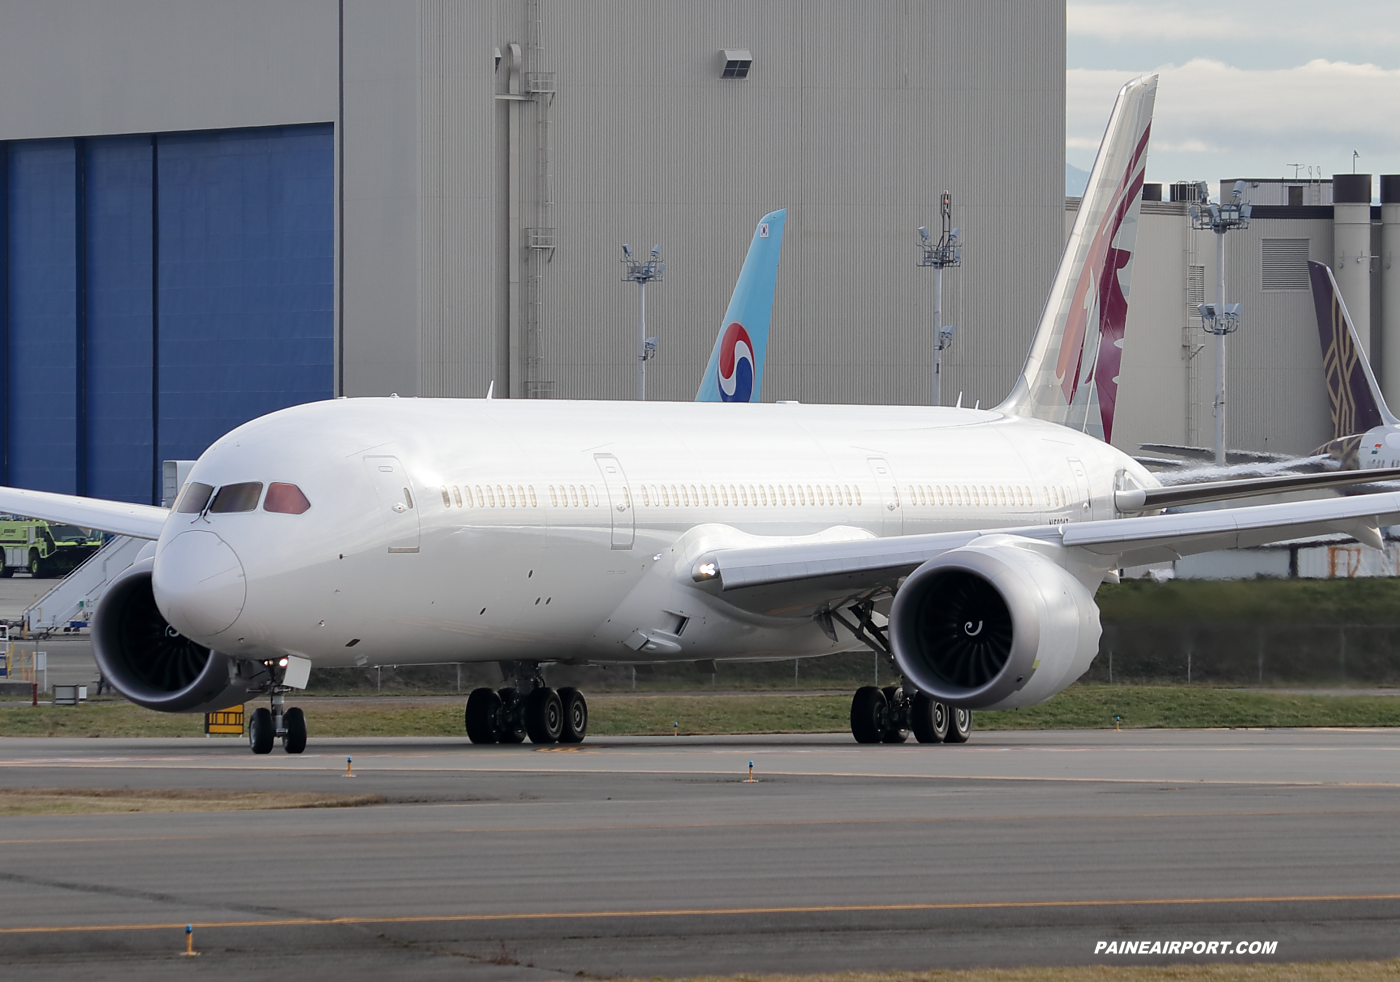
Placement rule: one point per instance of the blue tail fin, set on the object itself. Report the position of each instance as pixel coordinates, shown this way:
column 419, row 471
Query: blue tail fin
column 735, row 371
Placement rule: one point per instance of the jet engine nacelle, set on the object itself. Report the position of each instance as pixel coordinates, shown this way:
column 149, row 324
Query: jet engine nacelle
column 151, row 663
column 993, row 626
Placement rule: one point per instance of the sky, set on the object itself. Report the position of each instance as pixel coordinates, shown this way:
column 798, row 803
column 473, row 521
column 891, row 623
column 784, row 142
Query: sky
column 1248, row 88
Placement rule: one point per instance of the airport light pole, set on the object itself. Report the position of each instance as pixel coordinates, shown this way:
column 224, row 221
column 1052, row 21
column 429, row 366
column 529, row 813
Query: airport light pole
column 940, row 255
column 643, row 272
column 1219, row 318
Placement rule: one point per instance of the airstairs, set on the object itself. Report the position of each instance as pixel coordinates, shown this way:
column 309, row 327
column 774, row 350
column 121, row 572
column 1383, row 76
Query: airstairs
column 70, row 603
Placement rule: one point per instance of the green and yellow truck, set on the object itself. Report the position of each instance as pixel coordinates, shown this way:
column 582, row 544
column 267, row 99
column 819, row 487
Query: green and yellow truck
column 44, row 548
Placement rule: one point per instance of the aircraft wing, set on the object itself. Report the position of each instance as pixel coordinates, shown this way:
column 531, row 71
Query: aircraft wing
column 800, row 579
column 119, row 517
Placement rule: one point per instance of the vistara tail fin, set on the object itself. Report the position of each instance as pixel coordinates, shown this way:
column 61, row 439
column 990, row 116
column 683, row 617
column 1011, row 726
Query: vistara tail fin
column 1071, row 372
column 1352, row 393
column 735, row 369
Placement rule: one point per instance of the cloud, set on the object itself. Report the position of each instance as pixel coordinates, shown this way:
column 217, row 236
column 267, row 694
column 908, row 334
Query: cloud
column 1216, row 116
column 1242, row 22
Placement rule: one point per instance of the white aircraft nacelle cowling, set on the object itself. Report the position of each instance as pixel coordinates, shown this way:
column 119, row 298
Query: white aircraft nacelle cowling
column 151, row 663
column 993, row 626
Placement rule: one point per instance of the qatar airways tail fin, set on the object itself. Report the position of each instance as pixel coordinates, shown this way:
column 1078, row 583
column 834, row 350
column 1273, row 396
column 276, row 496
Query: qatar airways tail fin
column 735, row 370
column 1071, row 371
column 1356, row 401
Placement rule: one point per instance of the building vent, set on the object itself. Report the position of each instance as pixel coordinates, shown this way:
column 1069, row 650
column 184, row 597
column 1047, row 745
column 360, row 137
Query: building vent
column 1195, row 287
column 737, row 62
column 1285, row 264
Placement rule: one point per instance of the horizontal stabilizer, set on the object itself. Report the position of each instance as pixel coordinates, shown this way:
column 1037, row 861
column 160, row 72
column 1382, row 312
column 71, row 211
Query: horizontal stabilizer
column 1147, row 499
column 119, row 517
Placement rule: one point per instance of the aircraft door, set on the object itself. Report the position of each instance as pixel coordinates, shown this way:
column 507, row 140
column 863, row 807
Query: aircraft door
column 397, row 509
column 624, row 523
column 1081, row 486
column 891, row 512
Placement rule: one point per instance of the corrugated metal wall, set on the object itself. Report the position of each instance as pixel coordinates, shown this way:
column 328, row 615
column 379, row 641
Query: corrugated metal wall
column 457, row 264
column 855, row 118
column 1275, row 397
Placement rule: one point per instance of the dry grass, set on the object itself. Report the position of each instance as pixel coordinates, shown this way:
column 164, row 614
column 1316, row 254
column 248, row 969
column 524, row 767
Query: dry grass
column 107, row 801
column 1388, row 971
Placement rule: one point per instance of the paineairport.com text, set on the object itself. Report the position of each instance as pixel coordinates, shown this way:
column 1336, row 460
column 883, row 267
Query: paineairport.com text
column 1186, row 948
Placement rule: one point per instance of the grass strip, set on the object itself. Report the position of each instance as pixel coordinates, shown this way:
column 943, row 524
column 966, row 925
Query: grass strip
column 107, row 801
column 1087, row 706
column 1360, row 971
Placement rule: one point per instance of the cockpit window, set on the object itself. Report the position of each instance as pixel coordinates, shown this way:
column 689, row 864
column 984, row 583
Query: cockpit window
column 285, row 498
column 236, row 497
column 194, row 499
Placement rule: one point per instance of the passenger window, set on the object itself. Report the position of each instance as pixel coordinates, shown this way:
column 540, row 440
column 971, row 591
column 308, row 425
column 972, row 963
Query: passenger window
column 533, row 503
column 194, row 498
column 491, row 495
column 857, row 494
column 286, row 499
column 646, row 498
column 457, row 494
column 446, row 498
column 236, row 497
column 724, row 495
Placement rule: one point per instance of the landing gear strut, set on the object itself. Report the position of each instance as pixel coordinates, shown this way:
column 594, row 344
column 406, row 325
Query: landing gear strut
column 526, row 707
column 891, row 714
column 266, row 725
column 888, row 716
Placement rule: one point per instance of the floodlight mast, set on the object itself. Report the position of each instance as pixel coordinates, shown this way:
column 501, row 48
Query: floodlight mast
column 643, row 272
column 940, row 255
column 1220, row 318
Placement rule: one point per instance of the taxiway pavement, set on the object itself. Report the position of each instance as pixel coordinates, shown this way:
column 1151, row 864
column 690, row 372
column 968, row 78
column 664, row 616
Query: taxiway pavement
column 656, row 857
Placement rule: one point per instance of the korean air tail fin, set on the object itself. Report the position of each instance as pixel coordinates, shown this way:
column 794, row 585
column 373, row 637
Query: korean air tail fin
column 1355, row 398
column 1071, row 371
column 735, row 369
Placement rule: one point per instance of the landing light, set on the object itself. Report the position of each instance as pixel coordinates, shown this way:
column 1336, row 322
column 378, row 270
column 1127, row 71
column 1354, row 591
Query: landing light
column 706, row 571
column 281, row 663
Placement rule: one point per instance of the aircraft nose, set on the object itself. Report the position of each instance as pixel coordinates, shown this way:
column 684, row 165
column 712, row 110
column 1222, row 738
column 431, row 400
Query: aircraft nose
column 199, row 584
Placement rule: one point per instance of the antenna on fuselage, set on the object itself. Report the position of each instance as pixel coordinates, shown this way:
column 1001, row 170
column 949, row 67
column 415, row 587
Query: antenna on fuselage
column 959, row 405
column 491, row 388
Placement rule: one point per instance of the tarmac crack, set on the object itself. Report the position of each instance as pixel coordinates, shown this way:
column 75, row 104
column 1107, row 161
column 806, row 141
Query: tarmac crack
column 127, row 893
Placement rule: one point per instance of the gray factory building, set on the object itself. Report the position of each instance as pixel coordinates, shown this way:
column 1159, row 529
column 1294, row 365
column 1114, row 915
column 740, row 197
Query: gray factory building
column 1276, row 399
column 214, row 209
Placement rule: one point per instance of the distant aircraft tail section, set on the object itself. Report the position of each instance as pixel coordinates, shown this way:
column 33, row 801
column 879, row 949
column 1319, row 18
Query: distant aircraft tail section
column 735, row 370
column 1071, row 371
column 1352, row 393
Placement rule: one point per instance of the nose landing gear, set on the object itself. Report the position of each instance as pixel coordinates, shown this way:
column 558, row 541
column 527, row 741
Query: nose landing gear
column 545, row 715
column 266, row 725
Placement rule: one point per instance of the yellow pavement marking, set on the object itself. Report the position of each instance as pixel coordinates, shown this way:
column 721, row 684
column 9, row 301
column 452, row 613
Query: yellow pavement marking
column 706, row 912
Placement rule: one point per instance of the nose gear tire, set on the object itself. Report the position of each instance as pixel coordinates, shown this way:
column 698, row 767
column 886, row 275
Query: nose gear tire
column 261, row 732
column 294, row 731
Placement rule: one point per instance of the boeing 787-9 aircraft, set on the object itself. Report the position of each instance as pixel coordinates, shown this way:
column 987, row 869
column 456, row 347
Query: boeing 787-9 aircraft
column 965, row 544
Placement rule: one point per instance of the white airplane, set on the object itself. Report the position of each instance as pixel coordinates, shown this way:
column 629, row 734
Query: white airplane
column 965, row 544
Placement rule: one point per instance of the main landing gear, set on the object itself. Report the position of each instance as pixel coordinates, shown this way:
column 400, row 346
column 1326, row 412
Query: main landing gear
column 526, row 707
column 889, row 716
column 266, row 725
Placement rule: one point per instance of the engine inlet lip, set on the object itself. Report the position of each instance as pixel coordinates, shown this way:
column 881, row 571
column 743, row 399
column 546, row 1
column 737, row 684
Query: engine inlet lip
column 112, row 661
column 1020, row 602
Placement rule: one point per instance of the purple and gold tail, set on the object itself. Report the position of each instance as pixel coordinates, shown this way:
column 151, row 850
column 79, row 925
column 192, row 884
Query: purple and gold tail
column 1352, row 393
